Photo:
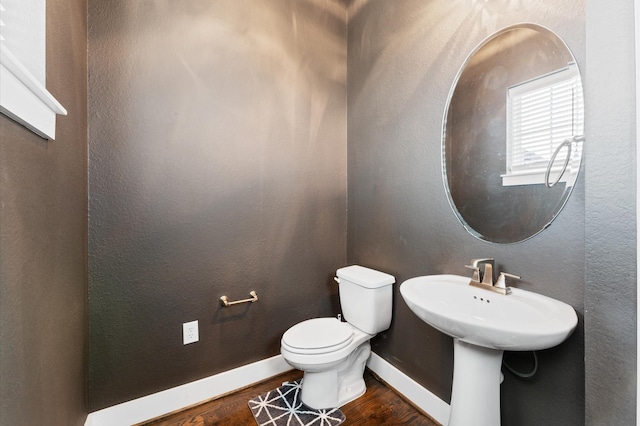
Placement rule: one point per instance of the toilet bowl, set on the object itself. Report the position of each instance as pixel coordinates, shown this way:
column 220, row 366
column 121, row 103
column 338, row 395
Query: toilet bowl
column 333, row 365
column 333, row 353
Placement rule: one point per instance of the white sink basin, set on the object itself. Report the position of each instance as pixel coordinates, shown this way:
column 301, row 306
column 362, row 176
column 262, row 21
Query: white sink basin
column 483, row 324
column 519, row 321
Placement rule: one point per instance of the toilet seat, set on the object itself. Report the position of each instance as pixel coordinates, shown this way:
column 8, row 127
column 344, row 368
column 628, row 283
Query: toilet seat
column 317, row 336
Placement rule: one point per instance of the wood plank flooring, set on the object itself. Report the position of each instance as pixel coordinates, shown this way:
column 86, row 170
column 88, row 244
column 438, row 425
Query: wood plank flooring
column 380, row 405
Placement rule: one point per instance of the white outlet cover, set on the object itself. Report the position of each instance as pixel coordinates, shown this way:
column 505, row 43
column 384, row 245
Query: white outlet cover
column 190, row 332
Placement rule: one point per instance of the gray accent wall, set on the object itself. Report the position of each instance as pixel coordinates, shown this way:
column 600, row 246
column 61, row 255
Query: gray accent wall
column 403, row 58
column 217, row 166
column 217, row 161
column 43, row 243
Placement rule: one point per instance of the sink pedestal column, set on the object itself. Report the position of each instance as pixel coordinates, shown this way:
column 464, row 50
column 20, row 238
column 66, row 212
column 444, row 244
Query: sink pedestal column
column 475, row 395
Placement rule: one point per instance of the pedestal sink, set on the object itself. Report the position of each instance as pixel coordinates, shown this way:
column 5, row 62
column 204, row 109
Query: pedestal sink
column 483, row 324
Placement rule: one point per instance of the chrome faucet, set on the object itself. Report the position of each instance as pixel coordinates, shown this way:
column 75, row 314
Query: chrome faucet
column 484, row 278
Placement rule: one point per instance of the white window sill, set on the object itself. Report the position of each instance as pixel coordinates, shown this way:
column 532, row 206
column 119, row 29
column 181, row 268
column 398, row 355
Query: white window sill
column 535, row 177
column 24, row 99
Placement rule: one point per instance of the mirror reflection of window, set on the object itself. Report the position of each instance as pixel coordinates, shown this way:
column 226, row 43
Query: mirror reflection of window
column 542, row 113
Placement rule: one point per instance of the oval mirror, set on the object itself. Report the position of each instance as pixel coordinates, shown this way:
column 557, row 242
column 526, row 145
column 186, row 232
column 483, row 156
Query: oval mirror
column 513, row 134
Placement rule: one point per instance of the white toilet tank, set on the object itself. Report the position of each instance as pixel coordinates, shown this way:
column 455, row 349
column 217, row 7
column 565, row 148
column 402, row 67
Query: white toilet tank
column 366, row 297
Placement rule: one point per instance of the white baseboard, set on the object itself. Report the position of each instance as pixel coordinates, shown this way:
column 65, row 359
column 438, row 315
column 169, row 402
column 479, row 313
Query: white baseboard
column 157, row 404
column 410, row 389
column 160, row 403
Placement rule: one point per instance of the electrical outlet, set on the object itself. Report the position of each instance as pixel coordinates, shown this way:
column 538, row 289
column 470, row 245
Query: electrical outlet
column 190, row 332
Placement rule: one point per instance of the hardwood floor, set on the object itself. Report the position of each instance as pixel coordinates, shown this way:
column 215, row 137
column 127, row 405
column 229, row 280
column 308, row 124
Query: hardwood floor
column 380, row 405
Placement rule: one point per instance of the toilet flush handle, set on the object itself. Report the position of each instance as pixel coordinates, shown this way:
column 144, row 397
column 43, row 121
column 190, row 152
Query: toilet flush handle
column 336, row 279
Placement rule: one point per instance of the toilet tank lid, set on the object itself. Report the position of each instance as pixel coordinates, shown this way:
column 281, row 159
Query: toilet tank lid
column 365, row 277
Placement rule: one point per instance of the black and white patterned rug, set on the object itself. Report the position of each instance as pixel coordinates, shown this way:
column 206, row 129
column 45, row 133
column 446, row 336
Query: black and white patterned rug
column 283, row 407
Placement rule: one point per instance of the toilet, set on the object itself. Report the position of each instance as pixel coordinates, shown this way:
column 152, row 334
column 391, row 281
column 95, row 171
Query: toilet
column 333, row 353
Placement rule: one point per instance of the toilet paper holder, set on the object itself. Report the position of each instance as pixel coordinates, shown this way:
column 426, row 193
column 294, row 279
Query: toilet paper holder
column 224, row 300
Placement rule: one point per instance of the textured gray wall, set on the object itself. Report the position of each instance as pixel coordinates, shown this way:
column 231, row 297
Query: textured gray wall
column 43, row 252
column 217, row 165
column 610, row 293
column 403, row 57
column 187, row 205
column 148, row 223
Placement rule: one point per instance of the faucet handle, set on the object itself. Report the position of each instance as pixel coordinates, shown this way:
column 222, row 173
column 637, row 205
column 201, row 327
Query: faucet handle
column 502, row 280
column 476, row 272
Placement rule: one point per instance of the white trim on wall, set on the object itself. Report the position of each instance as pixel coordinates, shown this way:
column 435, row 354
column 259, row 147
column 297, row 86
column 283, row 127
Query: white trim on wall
column 410, row 389
column 23, row 97
column 160, row 403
